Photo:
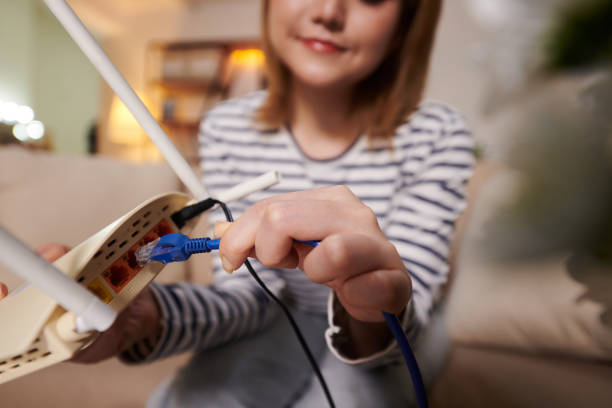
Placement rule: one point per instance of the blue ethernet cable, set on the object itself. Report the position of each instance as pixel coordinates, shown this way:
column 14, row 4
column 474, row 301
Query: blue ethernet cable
column 174, row 247
column 411, row 362
column 402, row 341
column 177, row 247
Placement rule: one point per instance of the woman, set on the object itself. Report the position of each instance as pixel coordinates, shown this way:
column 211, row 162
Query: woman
column 368, row 169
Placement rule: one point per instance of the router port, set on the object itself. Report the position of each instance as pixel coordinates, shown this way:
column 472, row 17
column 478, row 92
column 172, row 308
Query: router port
column 131, row 258
column 118, row 275
column 151, row 236
column 163, row 228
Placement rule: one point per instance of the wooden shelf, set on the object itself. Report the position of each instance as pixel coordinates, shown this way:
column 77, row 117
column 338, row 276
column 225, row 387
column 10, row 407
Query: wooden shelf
column 177, row 126
column 187, row 85
column 185, row 79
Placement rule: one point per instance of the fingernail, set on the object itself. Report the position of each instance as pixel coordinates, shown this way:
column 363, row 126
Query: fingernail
column 226, row 265
column 220, row 228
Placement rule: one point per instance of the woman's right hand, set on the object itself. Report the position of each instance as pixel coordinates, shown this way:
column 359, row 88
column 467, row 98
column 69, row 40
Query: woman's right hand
column 139, row 320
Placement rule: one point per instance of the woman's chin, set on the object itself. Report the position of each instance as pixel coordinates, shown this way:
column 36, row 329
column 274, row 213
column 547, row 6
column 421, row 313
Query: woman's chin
column 323, row 81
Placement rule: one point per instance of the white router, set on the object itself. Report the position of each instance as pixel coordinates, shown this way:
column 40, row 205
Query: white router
column 70, row 301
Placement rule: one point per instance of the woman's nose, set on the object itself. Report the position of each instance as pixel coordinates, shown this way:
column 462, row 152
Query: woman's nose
column 330, row 13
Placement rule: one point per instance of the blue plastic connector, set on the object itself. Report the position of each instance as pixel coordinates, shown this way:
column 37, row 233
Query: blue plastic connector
column 178, row 247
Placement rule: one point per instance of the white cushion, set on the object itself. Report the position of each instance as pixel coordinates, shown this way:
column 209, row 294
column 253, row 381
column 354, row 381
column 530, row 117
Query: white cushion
column 58, row 198
column 537, row 305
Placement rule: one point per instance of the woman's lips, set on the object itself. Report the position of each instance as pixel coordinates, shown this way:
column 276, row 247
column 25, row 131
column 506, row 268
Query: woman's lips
column 322, row 46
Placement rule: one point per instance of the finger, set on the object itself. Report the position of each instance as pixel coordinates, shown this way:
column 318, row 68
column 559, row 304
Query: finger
column 283, row 222
column 329, row 193
column 52, row 251
column 381, row 290
column 220, row 228
column 218, row 232
column 3, row 290
column 240, row 236
column 271, row 226
column 341, row 256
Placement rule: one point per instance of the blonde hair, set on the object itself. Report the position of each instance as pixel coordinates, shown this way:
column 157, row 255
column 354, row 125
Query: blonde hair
column 389, row 95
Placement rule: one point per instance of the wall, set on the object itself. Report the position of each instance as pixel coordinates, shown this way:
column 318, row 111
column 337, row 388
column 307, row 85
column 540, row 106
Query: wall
column 66, row 86
column 42, row 67
column 456, row 76
column 17, row 34
column 126, row 42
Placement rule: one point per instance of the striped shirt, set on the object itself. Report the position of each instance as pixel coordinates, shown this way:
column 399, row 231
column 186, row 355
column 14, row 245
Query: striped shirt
column 416, row 189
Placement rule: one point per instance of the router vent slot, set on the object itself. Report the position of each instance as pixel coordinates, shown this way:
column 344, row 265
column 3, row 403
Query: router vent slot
column 22, row 360
column 119, row 251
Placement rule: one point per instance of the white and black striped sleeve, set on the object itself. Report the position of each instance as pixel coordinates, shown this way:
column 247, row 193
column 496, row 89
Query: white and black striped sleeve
column 421, row 225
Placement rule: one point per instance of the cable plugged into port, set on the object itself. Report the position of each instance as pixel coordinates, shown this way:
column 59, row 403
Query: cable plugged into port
column 181, row 217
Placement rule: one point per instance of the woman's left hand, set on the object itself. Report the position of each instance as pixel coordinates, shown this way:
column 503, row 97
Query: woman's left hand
column 354, row 258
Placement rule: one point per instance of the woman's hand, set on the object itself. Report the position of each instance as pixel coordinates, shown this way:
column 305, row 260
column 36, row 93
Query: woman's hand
column 3, row 290
column 354, row 258
column 140, row 319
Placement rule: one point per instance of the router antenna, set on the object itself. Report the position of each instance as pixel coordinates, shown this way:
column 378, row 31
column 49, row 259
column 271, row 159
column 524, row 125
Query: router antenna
column 90, row 47
column 91, row 312
column 120, row 86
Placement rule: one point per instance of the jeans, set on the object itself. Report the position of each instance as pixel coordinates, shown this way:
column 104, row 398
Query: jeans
column 270, row 370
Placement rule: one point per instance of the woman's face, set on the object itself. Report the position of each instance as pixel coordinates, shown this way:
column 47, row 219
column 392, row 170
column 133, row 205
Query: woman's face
column 332, row 43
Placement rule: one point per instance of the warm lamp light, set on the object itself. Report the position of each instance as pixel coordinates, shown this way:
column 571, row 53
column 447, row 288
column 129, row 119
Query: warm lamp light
column 245, row 71
column 251, row 57
column 123, row 127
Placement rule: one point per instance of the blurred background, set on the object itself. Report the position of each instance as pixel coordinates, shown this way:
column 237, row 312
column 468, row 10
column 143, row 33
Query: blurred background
column 181, row 55
column 529, row 311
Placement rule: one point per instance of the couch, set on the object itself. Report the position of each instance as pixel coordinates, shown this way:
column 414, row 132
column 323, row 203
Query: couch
column 534, row 332
column 524, row 334
column 56, row 198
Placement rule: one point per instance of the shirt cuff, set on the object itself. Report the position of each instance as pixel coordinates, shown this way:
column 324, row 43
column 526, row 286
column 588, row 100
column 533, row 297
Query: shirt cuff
column 337, row 338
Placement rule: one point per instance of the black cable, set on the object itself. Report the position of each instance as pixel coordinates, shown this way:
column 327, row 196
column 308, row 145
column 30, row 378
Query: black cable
column 186, row 213
column 296, row 329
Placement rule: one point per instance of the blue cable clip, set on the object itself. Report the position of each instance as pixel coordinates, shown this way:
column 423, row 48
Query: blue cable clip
column 177, row 247
column 174, row 247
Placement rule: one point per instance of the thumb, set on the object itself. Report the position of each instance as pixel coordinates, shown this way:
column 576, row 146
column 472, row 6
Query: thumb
column 220, row 228
column 3, row 290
